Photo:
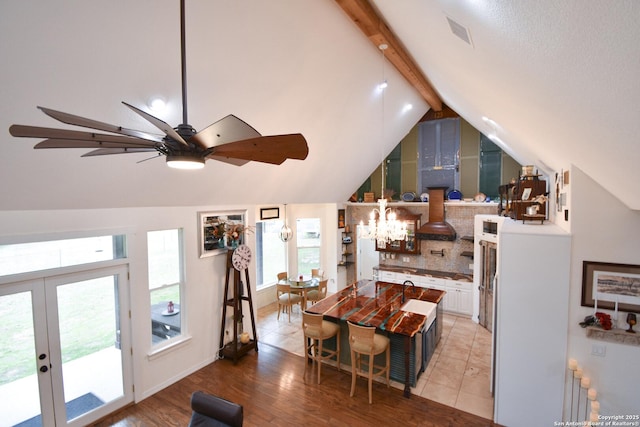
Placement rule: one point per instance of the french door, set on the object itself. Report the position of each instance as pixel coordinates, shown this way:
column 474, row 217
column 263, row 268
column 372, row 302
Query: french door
column 65, row 353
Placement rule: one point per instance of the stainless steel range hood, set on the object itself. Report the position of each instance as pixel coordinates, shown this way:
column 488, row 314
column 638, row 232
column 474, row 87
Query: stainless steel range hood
column 437, row 228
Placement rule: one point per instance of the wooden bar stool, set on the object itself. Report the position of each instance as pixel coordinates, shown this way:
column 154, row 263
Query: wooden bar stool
column 364, row 341
column 316, row 330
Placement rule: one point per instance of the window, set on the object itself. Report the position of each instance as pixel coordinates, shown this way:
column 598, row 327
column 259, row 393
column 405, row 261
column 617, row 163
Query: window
column 26, row 257
column 165, row 283
column 271, row 255
column 308, row 244
column 490, row 167
column 439, row 143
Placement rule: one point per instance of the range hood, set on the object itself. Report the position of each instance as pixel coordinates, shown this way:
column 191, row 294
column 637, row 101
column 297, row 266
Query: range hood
column 437, row 228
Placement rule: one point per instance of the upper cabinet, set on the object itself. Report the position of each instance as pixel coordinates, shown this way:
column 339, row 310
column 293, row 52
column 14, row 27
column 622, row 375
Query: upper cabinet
column 409, row 246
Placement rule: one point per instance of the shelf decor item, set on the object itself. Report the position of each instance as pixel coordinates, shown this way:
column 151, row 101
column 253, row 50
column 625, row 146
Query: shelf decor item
column 631, row 320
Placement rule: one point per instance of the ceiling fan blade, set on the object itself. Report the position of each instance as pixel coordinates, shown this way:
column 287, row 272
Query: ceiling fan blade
column 71, row 119
column 66, row 134
column 164, row 127
column 78, row 143
column 108, row 151
column 273, row 149
column 231, row 161
column 225, row 130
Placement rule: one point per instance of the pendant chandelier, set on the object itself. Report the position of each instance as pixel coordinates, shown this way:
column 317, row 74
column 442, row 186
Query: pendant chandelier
column 387, row 228
column 285, row 232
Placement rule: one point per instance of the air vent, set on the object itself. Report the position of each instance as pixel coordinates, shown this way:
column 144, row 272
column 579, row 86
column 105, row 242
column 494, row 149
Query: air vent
column 460, row 31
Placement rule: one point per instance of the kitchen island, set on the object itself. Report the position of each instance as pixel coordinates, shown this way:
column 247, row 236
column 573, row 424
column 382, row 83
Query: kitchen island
column 375, row 303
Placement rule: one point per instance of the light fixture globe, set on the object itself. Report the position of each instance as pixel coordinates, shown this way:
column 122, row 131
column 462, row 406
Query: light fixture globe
column 184, row 161
column 285, row 233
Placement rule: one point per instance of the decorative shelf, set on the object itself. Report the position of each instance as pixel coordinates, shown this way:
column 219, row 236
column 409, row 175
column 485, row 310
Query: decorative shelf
column 467, row 254
column 613, row 335
column 467, row 238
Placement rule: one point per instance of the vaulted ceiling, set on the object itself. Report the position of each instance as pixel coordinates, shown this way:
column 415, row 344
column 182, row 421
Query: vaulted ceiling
column 556, row 81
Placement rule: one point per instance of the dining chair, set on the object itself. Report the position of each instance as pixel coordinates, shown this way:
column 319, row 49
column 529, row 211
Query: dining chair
column 317, row 272
column 282, row 277
column 316, row 330
column 316, row 295
column 364, row 341
column 287, row 299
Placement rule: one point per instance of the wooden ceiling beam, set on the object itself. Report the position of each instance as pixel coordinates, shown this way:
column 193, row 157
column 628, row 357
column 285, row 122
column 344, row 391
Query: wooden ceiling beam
column 365, row 17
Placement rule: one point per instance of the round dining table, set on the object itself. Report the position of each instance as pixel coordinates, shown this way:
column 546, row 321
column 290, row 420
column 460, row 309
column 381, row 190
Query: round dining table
column 302, row 285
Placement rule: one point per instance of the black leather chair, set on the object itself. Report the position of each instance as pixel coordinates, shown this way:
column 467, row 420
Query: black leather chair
column 214, row 411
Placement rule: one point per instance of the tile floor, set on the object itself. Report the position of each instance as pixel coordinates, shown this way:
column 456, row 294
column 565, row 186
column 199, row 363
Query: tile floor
column 458, row 374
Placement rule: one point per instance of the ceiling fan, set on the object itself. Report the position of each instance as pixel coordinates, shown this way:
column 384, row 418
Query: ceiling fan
column 229, row 140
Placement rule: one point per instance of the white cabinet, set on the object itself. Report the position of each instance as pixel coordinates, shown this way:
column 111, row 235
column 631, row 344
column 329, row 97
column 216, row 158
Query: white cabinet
column 459, row 297
column 387, row 276
column 430, row 282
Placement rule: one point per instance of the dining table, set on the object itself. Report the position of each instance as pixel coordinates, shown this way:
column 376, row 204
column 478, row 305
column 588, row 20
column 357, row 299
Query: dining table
column 303, row 284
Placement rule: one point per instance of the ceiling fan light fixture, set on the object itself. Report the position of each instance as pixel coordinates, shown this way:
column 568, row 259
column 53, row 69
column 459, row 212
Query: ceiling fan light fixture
column 185, row 162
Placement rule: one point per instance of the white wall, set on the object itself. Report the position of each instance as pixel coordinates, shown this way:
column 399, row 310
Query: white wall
column 205, row 277
column 603, row 230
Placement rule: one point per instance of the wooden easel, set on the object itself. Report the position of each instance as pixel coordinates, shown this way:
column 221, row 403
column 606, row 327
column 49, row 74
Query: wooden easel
column 235, row 349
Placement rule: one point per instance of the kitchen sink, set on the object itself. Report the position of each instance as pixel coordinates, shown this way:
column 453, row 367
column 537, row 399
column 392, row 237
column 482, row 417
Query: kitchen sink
column 425, row 308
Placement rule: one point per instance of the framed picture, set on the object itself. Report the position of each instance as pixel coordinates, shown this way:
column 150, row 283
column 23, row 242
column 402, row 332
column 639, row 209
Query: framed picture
column 605, row 285
column 269, row 213
column 216, row 230
column 341, row 218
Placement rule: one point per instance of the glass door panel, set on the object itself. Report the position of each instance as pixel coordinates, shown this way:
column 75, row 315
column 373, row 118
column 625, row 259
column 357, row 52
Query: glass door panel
column 89, row 344
column 20, row 384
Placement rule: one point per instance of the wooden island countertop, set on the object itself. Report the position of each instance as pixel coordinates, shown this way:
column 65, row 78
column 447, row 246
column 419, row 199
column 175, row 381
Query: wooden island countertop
column 377, row 304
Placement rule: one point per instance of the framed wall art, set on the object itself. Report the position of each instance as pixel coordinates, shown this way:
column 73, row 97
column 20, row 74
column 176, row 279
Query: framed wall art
column 219, row 231
column 269, row 213
column 609, row 285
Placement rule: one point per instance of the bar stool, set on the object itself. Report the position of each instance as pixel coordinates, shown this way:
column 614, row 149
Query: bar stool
column 363, row 340
column 316, row 330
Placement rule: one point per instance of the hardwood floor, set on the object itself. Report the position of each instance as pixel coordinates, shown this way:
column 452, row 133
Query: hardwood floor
column 270, row 386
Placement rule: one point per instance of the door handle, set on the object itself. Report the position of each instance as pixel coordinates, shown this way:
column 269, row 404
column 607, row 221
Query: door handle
column 42, row 356
column 44, row 368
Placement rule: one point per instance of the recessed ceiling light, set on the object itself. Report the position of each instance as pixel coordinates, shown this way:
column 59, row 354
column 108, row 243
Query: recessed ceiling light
column 157, row 104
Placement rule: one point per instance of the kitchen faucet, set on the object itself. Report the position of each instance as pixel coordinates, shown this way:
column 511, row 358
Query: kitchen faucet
column 405, row 287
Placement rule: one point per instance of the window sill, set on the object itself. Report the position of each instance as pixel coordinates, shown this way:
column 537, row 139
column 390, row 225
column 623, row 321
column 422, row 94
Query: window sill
column 171, row 345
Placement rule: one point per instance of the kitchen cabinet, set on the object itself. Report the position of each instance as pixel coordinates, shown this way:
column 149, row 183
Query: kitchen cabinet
column 409, row 246
column 459, row 297
column 387, row 276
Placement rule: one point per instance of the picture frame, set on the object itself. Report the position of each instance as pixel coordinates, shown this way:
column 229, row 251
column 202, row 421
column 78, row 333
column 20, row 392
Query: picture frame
column 607, row 285
column 269, row 213
column 341, row 216
column 212, row 240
